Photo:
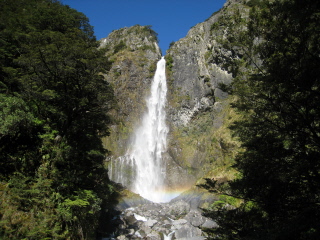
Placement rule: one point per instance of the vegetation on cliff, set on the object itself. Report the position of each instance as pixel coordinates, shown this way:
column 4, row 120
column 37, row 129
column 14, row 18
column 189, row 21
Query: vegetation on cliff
column 277, row 89
column 198, row 112
column 53, row 108
column 133, row 53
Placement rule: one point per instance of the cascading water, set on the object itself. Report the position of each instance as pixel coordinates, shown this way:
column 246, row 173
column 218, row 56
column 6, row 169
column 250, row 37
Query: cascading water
column 143, row 160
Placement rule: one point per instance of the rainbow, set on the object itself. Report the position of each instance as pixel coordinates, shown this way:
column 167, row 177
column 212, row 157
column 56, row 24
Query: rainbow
column 131, row 199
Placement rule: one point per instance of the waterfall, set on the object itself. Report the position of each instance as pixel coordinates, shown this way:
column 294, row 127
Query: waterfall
column 144, row 156
column 150, row 141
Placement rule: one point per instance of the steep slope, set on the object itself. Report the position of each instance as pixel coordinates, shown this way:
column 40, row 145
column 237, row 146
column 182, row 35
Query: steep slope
column 199, row 112
column 133, row 53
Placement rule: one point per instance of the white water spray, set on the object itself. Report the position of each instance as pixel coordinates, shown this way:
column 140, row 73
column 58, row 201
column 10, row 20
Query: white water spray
column 145, row 154
column 150, row 141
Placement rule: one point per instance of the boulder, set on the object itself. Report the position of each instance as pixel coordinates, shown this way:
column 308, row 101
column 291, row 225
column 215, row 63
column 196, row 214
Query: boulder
column 187, row 231
column 209, row 224
column 195, row 218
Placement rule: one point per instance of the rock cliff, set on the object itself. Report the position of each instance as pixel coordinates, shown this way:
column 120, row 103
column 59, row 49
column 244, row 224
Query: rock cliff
column 133, row 53
column 199, row 113
column 199, row 69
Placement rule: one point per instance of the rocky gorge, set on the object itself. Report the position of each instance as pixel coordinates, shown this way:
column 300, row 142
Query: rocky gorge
column 218, row 138
column 198, row 115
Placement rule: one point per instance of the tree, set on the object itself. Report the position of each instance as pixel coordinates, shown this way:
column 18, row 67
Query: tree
column 278, row 98
column 54, row 105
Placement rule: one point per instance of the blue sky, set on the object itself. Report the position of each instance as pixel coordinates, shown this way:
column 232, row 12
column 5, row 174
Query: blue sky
column 171, row 19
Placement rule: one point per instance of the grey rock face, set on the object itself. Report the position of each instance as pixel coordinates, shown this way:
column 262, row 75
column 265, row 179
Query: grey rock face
column 194, row 89
column 195, row 73
column 135, row 38
column 133, row 53
column 200, row 70
column 130, row 71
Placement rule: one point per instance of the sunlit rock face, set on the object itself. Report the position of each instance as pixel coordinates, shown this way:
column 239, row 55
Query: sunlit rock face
column 200, row 68
column 196, row 107
column 197, row 70
column 132, row 55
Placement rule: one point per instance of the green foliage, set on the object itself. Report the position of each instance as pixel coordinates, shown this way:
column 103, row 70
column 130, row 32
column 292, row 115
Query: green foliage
column 171, row 44
column 206, row 79
column 14, row 115
column 207, row 55
column 256, row 3
column 214, row 26
column 149, row 31
column 145, row 31
column 147, row 47
column 120, row 46
column 169, row 62
column 54, row 105
column 225, row 201
column 27, row 211
column 169, row 65
column 277, row 90
column 152, row 69
column 205, row 134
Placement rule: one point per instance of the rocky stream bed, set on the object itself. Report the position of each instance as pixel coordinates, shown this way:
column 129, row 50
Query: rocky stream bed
column 179, row 219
